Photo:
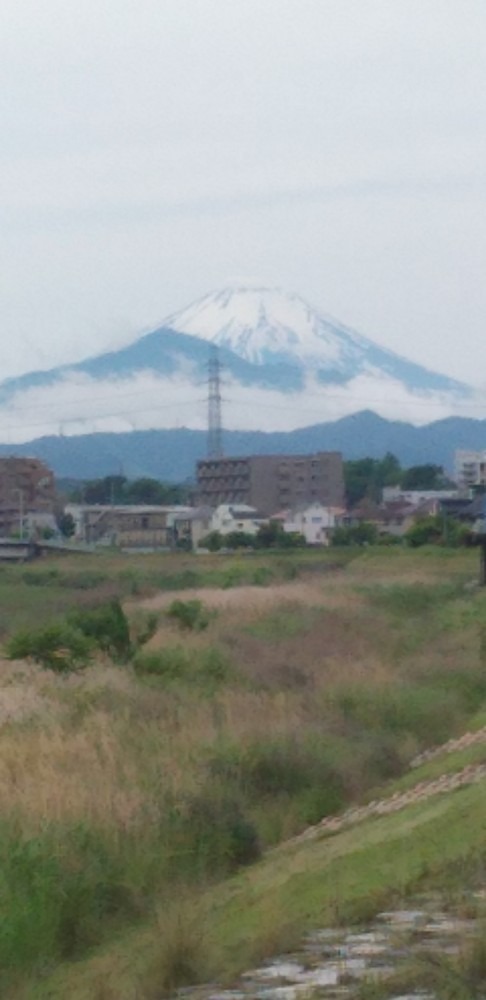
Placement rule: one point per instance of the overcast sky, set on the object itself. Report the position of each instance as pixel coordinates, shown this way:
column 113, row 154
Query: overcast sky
column 152, row 149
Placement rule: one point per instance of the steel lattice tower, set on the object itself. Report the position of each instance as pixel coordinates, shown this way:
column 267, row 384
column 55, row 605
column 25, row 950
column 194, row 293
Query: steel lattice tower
column 215, row 429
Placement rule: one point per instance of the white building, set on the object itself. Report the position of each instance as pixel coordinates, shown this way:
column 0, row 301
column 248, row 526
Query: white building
column 312, row 520
column 470, row 468
column 237, row 517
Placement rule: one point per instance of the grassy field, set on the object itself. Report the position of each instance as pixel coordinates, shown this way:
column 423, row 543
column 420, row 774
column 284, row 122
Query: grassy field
column 140, row 801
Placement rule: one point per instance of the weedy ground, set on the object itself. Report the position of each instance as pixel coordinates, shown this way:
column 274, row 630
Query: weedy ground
column 140, row 803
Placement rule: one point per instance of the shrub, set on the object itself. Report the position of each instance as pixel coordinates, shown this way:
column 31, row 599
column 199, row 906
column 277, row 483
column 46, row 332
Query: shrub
column 62, row 648
column 190, row 614
column 262, row 576
column 107, row 626
column 183, row 952
column 41, row 578
column 214, row 541
column 171, row 663
column 177, row 581
column 86, row 579
column 232, row 577
column 239, row 540
column 425, row 712
column 144, row 628
column 58, row 889
column 213, row 834
column 174, row 663
column 300, row 770
column 359, row 534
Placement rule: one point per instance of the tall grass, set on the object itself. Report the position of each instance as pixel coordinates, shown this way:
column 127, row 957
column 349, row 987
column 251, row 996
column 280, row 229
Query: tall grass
column 129, row 785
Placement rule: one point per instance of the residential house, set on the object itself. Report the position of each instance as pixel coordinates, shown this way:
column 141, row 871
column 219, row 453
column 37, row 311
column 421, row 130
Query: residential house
column 312, row 520
column 228, row 518
column 142, row 526
column 394, row 494
column 192, row 526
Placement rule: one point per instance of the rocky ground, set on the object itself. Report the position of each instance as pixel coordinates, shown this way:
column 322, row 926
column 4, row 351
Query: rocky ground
column 332, row 962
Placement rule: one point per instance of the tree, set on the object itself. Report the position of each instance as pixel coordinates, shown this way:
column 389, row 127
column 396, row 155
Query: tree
column 214, row 541
column 424, row 477
column 273, row 536
column 120, row 490
column 366, row 477
column 239, row 540
column 66, row 525
column 145, row 490
column 438, row 530
column 358, row 534
column 105, row 491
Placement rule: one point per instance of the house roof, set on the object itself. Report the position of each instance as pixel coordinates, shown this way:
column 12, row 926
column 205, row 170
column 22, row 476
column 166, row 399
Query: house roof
column 248, row 515
column 195, row 514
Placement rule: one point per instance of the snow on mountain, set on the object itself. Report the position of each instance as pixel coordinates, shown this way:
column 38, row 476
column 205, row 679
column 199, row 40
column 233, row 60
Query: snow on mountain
column 265, row 324
column 269, row 326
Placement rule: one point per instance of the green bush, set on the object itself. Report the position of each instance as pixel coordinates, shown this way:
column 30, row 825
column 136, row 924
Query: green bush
column 428, row 713
column 413, row 599
column 214, row 541
column 190, row 614
column 41, row 578
column 143, row 628
column 359, row 534
column 171, row 663
column 62, row 647
column 262, row 576
column 57, row 891
column 174, row 663
column 86, row 579
column 305, row 770
column 214, row 835
column 107, row 626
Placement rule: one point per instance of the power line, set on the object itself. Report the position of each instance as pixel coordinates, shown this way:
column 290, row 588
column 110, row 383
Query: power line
column 63, row 421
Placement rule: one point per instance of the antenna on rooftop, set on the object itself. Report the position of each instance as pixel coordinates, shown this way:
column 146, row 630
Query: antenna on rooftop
column 215, row 428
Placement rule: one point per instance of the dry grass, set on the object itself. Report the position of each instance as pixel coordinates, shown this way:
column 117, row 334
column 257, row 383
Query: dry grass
column 102, row 741
column 112, row 751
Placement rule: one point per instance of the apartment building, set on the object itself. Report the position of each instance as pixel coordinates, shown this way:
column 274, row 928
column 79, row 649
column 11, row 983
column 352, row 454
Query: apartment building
column 470, row 468
column 271, row 483
column 27, row 495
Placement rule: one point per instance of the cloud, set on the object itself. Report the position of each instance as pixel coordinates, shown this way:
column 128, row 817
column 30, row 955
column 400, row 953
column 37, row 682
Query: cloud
column 79, row 405
column 149, row 149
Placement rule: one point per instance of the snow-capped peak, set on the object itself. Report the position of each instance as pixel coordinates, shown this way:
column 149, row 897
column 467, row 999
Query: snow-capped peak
column 264, row 324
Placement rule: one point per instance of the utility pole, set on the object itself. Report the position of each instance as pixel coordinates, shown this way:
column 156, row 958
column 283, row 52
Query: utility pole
column 215, row 429
column 20, row 494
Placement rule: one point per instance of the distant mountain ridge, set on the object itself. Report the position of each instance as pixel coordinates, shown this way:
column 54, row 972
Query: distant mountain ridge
column 171, row 455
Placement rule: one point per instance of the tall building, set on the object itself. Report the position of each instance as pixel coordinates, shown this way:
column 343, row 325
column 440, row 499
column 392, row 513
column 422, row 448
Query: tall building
column 272, row 483
column 27, row 494
column 470, row 468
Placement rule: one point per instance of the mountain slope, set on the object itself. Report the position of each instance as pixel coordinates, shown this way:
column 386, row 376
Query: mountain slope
column 267, row 325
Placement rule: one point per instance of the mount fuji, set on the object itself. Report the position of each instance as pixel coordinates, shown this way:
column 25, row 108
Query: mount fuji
column 284, row 366
column 268, row 326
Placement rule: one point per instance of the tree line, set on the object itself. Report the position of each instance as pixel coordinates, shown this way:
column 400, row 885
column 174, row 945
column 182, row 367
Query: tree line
column 366, row 477
column 120, row 490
